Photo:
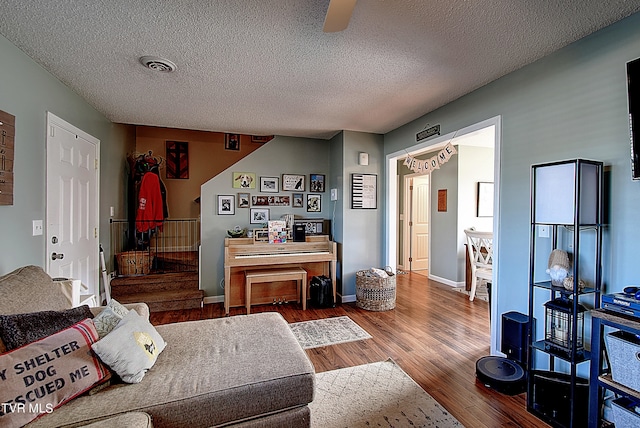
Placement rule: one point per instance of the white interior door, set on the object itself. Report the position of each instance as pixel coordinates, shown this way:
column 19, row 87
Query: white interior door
column 72, row 203
column 420, row 223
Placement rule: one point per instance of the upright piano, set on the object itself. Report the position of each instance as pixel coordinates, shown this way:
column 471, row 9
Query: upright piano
column 317, row 255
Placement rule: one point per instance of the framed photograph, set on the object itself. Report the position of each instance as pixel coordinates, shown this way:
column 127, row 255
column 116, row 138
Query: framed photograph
column 244, row 180
column 279, row 201
column 177, row 159
column 317, row 182
column 243, row 200
column 485, row 199
column 293, row 182
column 226, row 204
column 270, row 184
column 259, row 201
column 232, row 142
column 259, row 215
column 314, row 203
column 261, row 138
column 298, row 200
column 364, row 190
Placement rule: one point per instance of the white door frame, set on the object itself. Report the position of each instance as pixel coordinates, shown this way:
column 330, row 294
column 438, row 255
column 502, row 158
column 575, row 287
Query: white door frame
column 95, row 200
column 391, row 202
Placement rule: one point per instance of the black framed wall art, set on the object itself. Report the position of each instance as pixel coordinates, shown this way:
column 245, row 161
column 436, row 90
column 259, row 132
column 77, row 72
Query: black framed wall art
column 364, row 191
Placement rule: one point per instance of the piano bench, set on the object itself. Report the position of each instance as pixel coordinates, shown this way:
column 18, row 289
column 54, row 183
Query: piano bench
column 269, row 275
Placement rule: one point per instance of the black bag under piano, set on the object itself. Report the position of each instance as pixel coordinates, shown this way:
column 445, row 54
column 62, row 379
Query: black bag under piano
column 321, row 292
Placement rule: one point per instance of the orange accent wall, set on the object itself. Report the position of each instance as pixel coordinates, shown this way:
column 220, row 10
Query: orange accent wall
column 207, row 158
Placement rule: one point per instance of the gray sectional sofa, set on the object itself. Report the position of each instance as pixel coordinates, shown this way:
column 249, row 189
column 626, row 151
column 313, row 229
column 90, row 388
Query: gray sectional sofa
column 246, row 370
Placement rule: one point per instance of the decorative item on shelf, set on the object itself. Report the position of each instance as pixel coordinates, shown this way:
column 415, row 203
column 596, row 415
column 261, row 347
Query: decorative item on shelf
column 559, row 324
column 261, row 235
column 558, row 267
column 277, row 231
column 568, row 284
column 237, row 232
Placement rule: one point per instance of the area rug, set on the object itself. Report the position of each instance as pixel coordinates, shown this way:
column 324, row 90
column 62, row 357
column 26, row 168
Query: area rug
column 375, row 395
column 327, row 331
column 481, row 291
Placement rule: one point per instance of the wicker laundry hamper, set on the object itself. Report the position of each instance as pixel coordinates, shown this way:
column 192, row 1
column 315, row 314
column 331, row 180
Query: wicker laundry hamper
column 134, row 263
column 374, row 293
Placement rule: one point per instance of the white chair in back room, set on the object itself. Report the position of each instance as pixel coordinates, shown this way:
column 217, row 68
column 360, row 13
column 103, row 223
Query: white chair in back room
column 480, row 248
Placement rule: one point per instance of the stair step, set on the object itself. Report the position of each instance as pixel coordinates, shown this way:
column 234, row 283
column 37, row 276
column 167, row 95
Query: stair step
column 154, row 283
column 165, row 300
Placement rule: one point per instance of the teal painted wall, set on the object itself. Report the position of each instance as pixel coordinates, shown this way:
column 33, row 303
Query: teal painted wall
column 361, row 243
column 282, row 155
column 28, row 92
column 570, row 104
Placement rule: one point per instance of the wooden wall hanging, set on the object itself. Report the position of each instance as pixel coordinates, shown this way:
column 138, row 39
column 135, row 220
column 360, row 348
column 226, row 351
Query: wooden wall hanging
column 442, row 200
column 177, row 159
column 7, row 134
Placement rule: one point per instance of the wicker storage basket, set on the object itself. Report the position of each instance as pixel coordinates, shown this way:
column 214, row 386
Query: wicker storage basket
column 134, row 263
column 374, row 293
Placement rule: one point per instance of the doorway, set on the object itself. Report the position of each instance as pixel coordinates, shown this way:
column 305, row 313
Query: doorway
column 416, row 226
column 490, row 127
column 73, row 185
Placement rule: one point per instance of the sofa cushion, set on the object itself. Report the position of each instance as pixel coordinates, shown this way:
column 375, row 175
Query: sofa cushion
column 212, row 372
column 20, row 329
column 141, row 308
column 109, row 318
column 32, row 285
column 131, row 348
column 128, row 420
column 43, row 375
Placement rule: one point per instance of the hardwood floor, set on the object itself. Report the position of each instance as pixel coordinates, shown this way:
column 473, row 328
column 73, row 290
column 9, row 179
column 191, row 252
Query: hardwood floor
column 435, row 335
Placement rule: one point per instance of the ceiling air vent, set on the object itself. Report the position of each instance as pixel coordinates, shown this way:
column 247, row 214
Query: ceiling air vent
column 157, row 64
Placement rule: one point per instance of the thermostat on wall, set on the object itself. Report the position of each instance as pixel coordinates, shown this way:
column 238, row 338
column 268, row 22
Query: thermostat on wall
column 363, row 158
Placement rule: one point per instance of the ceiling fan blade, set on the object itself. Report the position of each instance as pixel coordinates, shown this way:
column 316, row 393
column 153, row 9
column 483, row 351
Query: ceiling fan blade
column 338, row 15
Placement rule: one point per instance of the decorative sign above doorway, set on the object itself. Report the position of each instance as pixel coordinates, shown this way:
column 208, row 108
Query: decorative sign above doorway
column 427, row 166
column 429, row 132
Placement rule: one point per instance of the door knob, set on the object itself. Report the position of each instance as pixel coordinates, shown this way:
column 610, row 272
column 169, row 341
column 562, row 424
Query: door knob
column 55, row 256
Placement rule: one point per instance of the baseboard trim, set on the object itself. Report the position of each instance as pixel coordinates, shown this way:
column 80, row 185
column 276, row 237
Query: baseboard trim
column 213, row 299
column 348, row 298
column 220, row 299
column 446, row 281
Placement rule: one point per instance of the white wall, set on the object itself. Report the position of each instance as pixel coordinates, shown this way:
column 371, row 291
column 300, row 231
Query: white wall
column 475, row 164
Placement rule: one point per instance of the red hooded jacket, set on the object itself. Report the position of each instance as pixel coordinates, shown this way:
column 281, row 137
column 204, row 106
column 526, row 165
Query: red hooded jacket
column 150, row 213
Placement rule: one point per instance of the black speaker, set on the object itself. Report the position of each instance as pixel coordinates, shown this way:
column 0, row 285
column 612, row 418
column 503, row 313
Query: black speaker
column 514, row 336
column 299, row 234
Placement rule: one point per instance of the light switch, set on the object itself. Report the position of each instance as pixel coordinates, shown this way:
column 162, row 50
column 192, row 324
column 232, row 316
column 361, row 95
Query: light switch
column 334, row 194
column 37, row 227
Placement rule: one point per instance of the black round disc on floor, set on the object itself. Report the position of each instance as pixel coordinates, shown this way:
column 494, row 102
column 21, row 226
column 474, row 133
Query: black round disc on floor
column 502, row 374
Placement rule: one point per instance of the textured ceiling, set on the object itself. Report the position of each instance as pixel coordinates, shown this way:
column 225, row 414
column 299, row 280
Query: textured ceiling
column 266, row 67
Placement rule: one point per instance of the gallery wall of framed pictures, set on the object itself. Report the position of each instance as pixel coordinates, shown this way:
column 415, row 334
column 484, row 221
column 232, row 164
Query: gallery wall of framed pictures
column 258, row 194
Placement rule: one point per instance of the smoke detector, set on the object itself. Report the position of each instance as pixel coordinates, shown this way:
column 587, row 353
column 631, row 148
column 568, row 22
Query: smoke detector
column 158, row 64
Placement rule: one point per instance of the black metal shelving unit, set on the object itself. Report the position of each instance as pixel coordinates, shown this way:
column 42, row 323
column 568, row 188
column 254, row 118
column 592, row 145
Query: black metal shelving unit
column 566, row 198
